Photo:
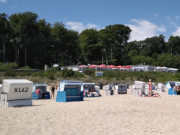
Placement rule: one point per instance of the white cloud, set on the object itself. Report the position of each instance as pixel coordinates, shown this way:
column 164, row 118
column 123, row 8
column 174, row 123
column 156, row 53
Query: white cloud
column 3, row 1
column 78, row 26
column 143, row 29
column 177, row 32
column 174, row 24
column 91, row 26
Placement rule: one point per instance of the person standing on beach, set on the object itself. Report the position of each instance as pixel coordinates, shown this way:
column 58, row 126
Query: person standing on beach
column 52, row 90
column 150, row 88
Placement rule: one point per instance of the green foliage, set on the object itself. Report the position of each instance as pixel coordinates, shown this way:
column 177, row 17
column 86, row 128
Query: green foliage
column 89, row 72
column 12, row 65
column 138, row 59
column 67, row 73
column 77, row 74
column 5, row 67
column 110, row 74
column 50, row 74
column 168, row 60
column 10, row 72
column 173, row 45
column 132, row 53
column 90, row 47
column 114, row 38
column 8, row 68
column 141, row 76
column 112, row 62
column 152, row 45
column 26, row 67
column 53, row 74
column 36, row 42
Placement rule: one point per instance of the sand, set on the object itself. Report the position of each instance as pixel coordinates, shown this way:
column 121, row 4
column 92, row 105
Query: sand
column 107, row 115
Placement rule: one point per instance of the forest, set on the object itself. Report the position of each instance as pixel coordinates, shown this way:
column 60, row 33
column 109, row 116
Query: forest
column 29, row 41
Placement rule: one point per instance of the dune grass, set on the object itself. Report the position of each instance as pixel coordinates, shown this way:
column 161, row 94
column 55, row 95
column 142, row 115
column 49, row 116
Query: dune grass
column 112, row 77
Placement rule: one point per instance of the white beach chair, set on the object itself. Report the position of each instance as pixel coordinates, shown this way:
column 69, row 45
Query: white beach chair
column 160, row 87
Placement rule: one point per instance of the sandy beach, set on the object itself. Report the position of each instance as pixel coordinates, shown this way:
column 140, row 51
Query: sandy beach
column 107, row 115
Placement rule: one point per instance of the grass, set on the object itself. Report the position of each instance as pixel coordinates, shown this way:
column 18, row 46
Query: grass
column 110, row 77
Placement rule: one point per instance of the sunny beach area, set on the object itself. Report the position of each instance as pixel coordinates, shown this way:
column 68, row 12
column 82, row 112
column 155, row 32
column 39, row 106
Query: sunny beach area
column 121, row 114
column 113, row 67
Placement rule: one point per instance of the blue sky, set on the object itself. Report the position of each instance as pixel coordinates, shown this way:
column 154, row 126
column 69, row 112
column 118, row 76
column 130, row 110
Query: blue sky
column 146, row 18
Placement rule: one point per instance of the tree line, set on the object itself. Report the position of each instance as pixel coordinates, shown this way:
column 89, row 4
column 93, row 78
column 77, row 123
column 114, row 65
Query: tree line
column 29, row 41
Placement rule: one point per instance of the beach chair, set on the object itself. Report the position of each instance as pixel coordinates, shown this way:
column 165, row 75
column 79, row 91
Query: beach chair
column 170, row 86
column 16, row 92
column 70, row 91
column 138, row 88
column 122, row 88
column 109, row 90
column 39, row 91
column 160, row 87
column 90, row 89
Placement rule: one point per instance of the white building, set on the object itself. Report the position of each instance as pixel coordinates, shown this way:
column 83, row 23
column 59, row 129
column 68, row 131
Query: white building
column 74, row 68
column 143, row 68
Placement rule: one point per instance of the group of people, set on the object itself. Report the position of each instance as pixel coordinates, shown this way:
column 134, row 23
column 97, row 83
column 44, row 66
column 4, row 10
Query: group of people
column 91, row 91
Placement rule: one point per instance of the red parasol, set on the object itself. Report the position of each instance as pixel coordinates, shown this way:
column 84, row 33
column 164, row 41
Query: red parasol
column 111, row 66
column 82, row 66
column 128, row 67
column 102, row 66
column 119, row 66
column 93, row 66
